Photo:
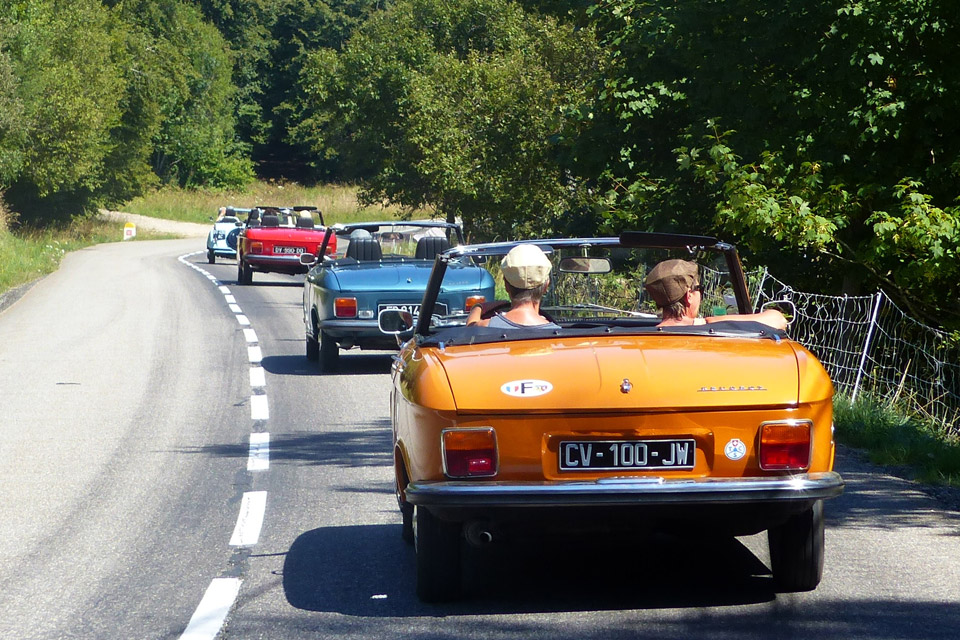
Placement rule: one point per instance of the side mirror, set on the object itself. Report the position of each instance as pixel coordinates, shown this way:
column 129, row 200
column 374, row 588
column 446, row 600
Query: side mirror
column 308, row 259
column 395, row 321
column 581, row 264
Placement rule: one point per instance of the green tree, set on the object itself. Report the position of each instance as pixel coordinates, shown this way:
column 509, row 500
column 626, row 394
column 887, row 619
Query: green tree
column 820, row 135
column 453, row 105
column 188, row 71
column 66, row 94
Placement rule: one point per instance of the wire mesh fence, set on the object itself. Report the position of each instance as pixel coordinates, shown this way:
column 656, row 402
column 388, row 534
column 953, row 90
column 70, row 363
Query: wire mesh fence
column 869, row 345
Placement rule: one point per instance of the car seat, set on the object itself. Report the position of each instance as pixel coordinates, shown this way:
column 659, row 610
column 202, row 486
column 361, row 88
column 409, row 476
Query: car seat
column 270, row 220
column 429, row 246
column 364, row 249
column 304, row 222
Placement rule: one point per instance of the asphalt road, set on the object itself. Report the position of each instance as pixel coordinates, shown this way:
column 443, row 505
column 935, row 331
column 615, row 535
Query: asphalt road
column 130, row 385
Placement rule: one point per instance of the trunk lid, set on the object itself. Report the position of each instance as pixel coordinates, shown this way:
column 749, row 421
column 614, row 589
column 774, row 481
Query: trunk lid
column 635, row 373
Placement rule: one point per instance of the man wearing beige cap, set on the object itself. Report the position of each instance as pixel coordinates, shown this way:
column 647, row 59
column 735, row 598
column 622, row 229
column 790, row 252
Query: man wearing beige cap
column 675, row 286
column 526, row 276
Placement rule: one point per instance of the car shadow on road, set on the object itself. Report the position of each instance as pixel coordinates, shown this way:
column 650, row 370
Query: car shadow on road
column 369, row 571
column 351, row 363
column 271, row 283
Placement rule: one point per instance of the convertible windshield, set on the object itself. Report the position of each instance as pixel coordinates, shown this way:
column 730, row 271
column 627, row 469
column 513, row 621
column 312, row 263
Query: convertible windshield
column 598, row 283
column 396, row 241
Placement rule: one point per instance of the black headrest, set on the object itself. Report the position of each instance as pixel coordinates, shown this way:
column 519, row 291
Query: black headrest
column 270, row 220
column 364, row 249
column 429, row 246
column 304, row 222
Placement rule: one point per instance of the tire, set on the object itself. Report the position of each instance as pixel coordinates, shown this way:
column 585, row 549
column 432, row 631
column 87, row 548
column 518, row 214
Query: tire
column 329, row 352
column 406, row 531
column 244, row 272
column 211, row 256
column 313, row 346
column 796, row 550
column 438, row 557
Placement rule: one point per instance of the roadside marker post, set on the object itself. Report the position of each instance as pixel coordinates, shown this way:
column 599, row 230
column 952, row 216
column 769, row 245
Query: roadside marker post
column 129, row 231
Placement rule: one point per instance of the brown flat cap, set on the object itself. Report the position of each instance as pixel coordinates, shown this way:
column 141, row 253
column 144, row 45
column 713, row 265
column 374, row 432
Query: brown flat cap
column 670, row 280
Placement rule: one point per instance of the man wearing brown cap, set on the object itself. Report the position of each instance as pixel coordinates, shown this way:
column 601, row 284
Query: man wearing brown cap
column 675, row 287
column 526, row 276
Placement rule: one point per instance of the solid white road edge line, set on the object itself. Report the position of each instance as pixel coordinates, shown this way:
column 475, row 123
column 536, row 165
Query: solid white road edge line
column 247, row 531
column 259, row 459
column 213, row 609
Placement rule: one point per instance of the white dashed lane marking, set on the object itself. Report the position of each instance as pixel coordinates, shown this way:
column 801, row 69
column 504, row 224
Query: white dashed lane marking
column 252, row 508
column 208, row 619
column 259, row 409
column 214, row 607
column 259, row 459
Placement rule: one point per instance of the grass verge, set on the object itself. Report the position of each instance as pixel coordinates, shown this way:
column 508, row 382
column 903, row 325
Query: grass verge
column 931, row 451
column 28, row 254
column 338, row 203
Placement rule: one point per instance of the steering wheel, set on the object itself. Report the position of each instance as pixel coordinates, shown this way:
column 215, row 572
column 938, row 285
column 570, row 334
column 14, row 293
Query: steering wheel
column 492, row 308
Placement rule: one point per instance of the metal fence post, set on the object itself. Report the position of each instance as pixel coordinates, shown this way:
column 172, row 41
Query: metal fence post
column 866, row 347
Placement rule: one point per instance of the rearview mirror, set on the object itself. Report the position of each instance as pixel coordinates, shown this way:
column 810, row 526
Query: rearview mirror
column 395, row 321
column 581, row 264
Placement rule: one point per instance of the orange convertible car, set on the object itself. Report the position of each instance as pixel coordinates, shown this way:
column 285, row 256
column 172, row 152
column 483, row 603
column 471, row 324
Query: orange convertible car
column 603, row 418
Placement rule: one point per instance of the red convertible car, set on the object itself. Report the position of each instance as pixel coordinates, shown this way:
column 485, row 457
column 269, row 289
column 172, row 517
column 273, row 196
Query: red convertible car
column 274, row 238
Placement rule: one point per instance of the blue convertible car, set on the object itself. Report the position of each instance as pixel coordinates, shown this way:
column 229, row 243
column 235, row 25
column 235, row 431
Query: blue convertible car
column 378, row 266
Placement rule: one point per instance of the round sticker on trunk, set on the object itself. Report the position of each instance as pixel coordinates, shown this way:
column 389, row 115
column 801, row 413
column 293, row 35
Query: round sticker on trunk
column 735, row 449
column 526, row 388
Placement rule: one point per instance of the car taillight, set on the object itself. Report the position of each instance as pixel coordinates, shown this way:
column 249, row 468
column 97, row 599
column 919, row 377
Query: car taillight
column 331, row 246
column 256, row 247
column 785, row 446
column 473, row 301
column 345, row 307
column 469, row 453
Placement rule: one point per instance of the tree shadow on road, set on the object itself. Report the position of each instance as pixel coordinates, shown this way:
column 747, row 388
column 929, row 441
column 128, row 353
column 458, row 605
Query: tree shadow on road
column 366, row 444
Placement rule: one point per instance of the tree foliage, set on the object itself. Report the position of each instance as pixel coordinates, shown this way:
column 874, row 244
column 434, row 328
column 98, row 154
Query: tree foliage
column 99, row 102
column 453, row 105
column 820, row 135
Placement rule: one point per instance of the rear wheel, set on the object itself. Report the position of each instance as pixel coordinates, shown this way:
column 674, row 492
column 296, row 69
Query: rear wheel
column 313, row 346
column 211, row 256
column 244, row 272
column 406, row 512
column 329, row 352
column 796, row 550
column 438, row 557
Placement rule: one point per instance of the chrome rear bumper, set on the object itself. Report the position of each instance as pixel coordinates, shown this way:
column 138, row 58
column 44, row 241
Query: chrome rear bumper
column 626, row 491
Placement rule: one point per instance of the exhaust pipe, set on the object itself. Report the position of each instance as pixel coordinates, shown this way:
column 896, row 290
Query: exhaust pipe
column 478, row 533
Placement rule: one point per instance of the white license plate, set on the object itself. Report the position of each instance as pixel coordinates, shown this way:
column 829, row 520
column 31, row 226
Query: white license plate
column 291, row 250
column 413, row 309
